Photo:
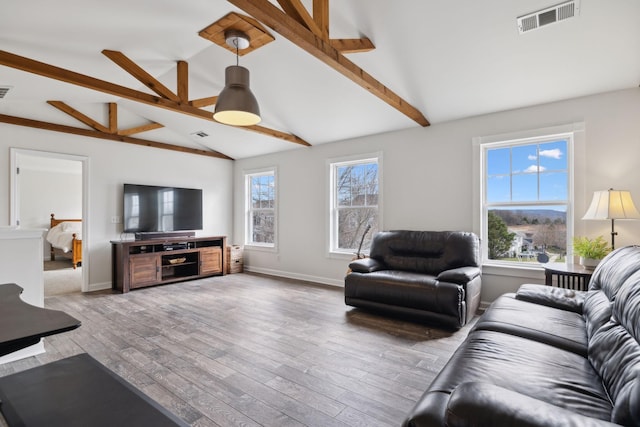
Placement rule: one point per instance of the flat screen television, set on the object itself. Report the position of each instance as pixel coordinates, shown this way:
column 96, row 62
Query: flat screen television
column 155, row 209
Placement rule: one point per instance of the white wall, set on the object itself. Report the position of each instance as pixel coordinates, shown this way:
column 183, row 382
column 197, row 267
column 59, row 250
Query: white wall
column 46, row 186
column 52, row 192
column 429, row 183
column 110, row 165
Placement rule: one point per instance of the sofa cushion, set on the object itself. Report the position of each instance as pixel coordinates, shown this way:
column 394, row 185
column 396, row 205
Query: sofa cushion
column 428, row 252
column 531, row 368
column 482, row 404
column 559, row 328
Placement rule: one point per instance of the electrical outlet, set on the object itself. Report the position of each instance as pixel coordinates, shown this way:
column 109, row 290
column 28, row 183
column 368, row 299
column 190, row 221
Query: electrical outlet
column 116, row 220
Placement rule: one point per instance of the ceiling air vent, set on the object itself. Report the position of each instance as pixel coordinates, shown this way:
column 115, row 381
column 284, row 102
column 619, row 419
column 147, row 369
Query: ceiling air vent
column 557, row 13
column 200, row 134
column 4, row 90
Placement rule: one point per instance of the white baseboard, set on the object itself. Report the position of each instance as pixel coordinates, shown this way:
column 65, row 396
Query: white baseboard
column 99, row 286
column 297, row 276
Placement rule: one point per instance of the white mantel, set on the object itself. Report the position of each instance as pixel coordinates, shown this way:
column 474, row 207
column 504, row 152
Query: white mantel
column 21, row 262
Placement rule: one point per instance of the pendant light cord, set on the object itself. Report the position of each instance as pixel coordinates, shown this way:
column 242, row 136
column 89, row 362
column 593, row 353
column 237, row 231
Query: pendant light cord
column 237, row 49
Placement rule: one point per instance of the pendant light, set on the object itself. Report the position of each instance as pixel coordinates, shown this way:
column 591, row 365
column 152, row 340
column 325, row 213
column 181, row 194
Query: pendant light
column 236, row 105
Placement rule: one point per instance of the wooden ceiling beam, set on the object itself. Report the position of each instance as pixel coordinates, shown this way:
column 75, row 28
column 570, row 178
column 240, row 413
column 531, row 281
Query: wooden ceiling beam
column 203, row 102
column 113, row 117
column 140, row 129
column 291, row 29
column 321, row 16
column 113, row 120
column 19, row 121
column 183, row 81
column 65, row 108
column 277, row 134
column 143, row 77
column 352, row 45
column 296, row 10
column 40, row 68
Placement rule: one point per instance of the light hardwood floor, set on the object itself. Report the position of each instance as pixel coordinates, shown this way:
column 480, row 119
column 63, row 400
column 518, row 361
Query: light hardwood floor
column 248, row 350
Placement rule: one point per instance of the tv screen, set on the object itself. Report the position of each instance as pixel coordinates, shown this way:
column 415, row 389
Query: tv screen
column 149, row 208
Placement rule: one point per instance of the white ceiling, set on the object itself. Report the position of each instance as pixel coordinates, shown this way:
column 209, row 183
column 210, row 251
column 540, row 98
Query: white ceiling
column 449, row 59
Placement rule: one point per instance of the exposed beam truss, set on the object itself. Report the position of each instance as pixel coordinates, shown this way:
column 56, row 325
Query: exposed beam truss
column 295, row 23
column 19, row 121
column 113, row 120
column 167, row 102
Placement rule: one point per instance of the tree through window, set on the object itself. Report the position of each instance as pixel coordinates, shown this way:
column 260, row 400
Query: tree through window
column 526, row 198
column 354, row 204
column 261, row 208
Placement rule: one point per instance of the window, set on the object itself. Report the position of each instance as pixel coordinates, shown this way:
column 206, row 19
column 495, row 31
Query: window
column 261, row 208
column 354, row 200
column 526, row 198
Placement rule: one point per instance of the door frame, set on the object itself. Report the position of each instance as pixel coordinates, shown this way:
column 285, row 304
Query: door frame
column 14, row 198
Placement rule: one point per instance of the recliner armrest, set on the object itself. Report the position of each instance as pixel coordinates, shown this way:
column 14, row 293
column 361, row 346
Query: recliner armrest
column 459, row 275
column 484, row 404
column 366, row 265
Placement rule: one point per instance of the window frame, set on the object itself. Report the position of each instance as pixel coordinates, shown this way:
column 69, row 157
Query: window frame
column 332, row 217
column 483, row 144
column 249, row 210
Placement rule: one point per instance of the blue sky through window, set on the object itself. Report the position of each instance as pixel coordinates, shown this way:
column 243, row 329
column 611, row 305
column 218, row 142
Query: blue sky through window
column 528, row 173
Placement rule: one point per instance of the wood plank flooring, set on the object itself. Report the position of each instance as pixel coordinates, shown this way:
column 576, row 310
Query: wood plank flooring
column 253, row 350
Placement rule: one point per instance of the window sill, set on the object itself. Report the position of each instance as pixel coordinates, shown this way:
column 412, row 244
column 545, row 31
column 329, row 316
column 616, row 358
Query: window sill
column 260, row 248
column 341, row 255
column 528, row 271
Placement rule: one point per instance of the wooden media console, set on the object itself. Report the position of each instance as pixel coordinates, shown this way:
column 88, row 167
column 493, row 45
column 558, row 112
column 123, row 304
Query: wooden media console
column 141, row 263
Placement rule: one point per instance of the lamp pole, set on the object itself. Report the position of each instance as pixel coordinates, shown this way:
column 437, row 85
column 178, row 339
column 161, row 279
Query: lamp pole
column 613, row 234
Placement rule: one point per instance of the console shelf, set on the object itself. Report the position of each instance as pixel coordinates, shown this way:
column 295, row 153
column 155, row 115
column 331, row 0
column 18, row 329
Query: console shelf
column 141, row 263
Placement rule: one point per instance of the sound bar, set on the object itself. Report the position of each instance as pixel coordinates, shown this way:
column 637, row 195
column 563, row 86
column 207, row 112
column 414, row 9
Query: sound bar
column 163, row 235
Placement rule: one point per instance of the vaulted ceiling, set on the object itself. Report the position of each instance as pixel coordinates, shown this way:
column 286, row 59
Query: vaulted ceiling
column 147, row 72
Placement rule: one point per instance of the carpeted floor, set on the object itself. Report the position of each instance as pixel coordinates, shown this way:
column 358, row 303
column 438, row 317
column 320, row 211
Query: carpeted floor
column 60, row 277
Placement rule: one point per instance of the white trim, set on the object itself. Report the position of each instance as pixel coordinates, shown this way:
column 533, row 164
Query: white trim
column 247, row 174
column 575, row 134
column 14, row 198
column 377, row 157
column 297, row 276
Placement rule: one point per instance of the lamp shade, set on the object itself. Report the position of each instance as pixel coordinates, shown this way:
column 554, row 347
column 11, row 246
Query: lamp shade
column 612, row 204
column 236, row 105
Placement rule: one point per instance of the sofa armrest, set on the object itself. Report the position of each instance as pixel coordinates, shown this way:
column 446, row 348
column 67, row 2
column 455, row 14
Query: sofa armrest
column 475, row 404
column 459, row 275
column 563, row 299
column 366, row 265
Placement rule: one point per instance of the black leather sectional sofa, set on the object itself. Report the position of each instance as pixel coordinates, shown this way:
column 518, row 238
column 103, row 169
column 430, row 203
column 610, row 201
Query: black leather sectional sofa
column 432, row 276
column 546, row 356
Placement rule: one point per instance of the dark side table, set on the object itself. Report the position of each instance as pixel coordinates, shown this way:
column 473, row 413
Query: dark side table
column 568, row 276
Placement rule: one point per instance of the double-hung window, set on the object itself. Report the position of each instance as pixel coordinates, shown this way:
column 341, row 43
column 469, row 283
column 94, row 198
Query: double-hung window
column 526, row 199
column 354, row 203
column 261, row 208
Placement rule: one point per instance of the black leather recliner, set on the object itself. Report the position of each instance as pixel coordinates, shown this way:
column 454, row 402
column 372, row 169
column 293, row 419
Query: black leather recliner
column 431, row 276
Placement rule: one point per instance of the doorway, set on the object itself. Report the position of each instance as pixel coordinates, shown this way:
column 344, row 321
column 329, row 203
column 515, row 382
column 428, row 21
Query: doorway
column 45, row 183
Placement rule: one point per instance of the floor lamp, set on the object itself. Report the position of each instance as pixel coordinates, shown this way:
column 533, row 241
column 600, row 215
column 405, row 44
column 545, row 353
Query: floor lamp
column 612, row 204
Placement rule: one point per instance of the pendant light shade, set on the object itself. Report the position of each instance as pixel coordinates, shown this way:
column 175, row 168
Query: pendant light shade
column 236, row 103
